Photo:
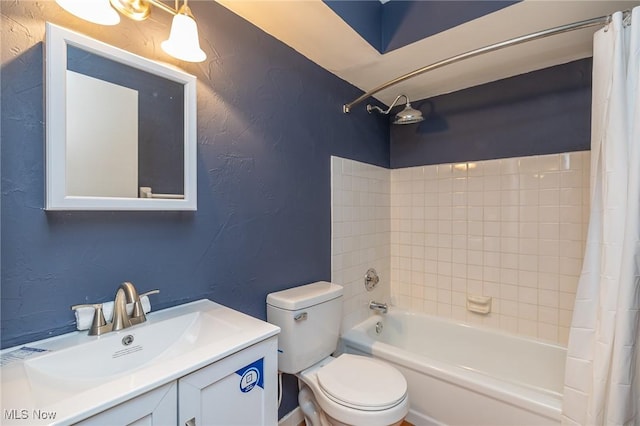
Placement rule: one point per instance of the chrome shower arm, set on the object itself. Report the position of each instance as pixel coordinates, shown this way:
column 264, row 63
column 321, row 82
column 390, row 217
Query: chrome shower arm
column 380, row 110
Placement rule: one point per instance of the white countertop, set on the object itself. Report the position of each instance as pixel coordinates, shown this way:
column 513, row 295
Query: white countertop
column 31, row 398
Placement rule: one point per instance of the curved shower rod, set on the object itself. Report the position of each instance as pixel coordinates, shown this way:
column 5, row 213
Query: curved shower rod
column 602, row 20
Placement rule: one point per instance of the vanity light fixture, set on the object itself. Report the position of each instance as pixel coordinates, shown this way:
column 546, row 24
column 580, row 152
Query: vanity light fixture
column 96, row 11
column 183, row 42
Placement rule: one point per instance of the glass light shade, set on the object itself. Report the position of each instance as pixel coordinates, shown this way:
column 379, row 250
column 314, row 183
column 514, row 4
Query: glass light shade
column 183, row 40
column 96, row 11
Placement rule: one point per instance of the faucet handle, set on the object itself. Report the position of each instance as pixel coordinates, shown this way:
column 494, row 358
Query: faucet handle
column 99, row 324
column 137, row 315
column 150, row 292
column 138, row 310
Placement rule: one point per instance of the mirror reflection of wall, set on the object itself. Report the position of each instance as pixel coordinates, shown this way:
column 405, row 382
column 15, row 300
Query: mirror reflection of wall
column 109, row 155
column 102, row 147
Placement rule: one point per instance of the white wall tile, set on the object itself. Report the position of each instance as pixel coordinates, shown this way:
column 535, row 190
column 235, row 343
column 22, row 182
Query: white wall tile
column 459, row 183
column 361, row 231
column 571, row 179
column 509, row 166
column 549, row 180
column 528, row 164
column 498, row 228
column 491, row 167
column 474, row 168
column 527, row 327
column 548, row 331
column 549, row 162
column 512, row 229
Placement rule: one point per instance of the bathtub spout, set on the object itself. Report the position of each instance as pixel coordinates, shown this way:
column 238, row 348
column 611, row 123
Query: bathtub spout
column 378, row 307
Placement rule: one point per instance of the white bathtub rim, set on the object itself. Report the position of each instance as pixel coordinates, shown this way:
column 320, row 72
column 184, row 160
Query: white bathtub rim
column 543, row 402
column 374, row 317
column 538, row 403
column 369, row 324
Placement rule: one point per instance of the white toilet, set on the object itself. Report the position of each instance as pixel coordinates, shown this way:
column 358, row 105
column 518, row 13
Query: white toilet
column 347, row 390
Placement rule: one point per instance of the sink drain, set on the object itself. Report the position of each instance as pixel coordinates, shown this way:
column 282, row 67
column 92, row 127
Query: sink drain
column 127, row 340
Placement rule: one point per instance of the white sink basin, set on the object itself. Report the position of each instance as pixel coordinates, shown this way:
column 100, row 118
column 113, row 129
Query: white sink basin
column 118, row 353
column 78, row 375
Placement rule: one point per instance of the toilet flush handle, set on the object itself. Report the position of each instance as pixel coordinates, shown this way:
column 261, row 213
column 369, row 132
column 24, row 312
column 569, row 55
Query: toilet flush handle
column 300, row 317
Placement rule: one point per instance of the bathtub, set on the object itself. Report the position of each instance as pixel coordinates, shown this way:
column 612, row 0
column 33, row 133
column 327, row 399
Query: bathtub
column 464, row 375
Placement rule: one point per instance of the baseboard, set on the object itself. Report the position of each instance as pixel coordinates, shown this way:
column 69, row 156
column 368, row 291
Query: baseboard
column 293, row 418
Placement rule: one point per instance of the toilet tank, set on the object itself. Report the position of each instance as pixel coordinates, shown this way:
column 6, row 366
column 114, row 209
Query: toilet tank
column 309, row 317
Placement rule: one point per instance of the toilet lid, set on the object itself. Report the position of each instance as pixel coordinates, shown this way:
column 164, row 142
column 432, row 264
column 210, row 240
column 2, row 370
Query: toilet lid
column 362, row 383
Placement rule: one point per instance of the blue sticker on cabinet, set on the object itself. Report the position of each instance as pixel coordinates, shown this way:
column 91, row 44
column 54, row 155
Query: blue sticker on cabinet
column 251, row 375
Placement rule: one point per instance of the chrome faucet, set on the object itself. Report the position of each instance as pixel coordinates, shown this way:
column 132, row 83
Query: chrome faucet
column 126, row 294
column 378, row 307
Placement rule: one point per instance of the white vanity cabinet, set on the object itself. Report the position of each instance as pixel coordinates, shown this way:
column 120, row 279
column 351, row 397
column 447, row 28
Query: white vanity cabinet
column 199, row 363
column 240, row 389
column 155, row 408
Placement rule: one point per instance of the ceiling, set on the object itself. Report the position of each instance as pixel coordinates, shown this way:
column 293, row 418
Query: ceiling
column 313, row 29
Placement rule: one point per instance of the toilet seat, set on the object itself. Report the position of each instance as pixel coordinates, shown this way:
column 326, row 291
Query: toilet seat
column 362, row 383
column 363, row 412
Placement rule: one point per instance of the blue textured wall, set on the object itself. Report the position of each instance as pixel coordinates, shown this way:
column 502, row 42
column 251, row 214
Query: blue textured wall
column 364, row 16
column 397, row 23
column 405, row 22
column 541, row 112
column 268, row 121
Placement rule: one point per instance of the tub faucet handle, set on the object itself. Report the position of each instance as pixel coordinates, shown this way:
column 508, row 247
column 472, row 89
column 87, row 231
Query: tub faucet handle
column 371, row 279
column 378, row 307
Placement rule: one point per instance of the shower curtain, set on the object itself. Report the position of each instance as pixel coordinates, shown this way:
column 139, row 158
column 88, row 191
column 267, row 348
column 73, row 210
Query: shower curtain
column 602, row 377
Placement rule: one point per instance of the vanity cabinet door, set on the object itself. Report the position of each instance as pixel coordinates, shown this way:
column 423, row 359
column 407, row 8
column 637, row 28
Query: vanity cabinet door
column 240, row 389
column 154, row 408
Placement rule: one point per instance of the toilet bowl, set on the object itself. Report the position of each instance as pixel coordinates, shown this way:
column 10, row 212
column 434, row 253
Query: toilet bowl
column 346, row 390
column 356, row 390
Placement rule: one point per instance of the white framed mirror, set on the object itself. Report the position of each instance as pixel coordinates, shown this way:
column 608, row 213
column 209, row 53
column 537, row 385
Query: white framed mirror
column 120, row 128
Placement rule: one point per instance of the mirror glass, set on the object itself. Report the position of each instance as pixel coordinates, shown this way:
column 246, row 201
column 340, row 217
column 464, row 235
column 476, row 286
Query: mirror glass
column 120, row 129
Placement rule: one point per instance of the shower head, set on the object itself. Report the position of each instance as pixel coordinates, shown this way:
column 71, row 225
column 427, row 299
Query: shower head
column 408, row 115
